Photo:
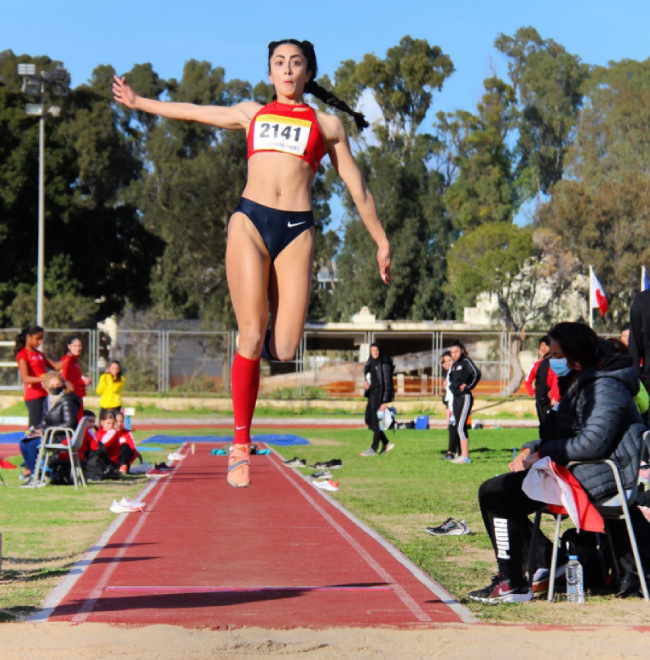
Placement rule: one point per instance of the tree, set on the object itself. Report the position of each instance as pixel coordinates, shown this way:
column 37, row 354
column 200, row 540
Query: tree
column 407, row 190
column 327, row 244
column 510, row 151
column 547, row 84
column 527, row 270
column 96, row 249
column 514, row 147
column 403, row 85
column 601, row 210
column 481, row 174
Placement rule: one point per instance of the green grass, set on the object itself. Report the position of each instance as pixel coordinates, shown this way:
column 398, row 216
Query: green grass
column 45, row 530
column 17, row 410
column 398, row 494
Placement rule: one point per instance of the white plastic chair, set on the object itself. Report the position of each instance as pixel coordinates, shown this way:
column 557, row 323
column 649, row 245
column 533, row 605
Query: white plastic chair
column 611, row 508
column 50, row 444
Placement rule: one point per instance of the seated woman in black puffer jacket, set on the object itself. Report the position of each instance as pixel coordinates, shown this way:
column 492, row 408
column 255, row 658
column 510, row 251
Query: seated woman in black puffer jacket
column 61, row 405
column 596, row 418
column 60, row 408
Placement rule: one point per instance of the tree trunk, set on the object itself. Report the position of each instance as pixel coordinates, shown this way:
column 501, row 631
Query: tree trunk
column 516, row 370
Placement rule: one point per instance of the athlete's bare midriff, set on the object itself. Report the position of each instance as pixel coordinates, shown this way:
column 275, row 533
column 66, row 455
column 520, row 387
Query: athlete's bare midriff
column 279, row 181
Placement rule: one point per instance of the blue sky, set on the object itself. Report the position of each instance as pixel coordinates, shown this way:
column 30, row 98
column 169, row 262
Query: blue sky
column 234, row 34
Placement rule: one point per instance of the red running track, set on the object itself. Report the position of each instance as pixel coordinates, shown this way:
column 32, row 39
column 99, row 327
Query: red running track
column 280, row 554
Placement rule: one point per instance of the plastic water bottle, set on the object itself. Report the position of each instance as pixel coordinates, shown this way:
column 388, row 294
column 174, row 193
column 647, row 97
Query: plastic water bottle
column 574, row 584
column 380, row 417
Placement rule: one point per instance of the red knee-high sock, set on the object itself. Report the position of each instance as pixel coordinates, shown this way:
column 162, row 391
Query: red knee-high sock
column 245, row 379
column 255, row 388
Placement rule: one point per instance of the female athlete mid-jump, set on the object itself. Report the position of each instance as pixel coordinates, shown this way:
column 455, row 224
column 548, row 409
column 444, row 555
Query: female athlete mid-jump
column 270, row 247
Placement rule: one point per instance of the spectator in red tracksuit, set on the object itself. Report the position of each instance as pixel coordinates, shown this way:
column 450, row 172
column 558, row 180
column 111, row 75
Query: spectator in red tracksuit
column 125, row 438
column 71, row 370
column 542, row 383
column 89, row 442
column 32, row 366
column 117, row 446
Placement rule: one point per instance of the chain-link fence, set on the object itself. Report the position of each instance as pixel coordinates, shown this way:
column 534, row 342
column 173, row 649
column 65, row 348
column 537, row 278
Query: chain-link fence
column 328, row 364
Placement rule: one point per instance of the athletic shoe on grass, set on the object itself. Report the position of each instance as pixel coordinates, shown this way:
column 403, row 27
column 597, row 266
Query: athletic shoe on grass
column 30, row 483
column 450, row 527
column 127, row 501
column 386, row 448
column 501, row 591
column 126, row 506
column 296, row 462
column 369, row 452
column 330, row 485
column 157, row 473
column 333, row 464
column 542, row 578
column 239, row 464
column 460, row 460
column 321, row 474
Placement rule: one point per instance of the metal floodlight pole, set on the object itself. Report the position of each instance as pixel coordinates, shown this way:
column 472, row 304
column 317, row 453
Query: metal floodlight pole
column 40, row 276
column 36, row 83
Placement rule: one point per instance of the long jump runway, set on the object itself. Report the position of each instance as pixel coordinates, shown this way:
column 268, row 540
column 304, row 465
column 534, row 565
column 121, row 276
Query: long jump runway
column 280, row 554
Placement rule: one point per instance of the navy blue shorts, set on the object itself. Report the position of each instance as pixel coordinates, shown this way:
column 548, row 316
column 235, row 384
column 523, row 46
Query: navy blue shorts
column 277, row 228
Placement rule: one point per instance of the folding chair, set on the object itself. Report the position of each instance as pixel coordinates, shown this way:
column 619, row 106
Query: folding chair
column 51, row 443
column 611, row 508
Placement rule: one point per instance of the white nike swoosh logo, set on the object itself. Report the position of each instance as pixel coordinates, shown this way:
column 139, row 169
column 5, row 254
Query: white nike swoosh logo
column 295, row 224
column 239, row 428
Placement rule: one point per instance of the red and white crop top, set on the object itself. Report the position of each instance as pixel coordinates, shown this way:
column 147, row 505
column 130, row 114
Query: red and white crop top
column 289, row 129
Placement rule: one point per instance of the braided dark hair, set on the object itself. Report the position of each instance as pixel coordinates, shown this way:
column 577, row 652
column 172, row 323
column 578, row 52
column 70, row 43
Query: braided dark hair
column 312, row 87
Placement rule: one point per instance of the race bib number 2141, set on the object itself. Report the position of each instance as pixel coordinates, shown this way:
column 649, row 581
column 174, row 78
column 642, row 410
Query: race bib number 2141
column 276, row 133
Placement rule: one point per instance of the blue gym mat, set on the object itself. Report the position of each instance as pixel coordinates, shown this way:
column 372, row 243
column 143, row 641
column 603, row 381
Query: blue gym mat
column 270, row 439
column 11, row 438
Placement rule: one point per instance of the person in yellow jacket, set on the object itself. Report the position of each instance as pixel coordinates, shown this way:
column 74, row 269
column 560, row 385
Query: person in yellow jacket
column 109, row 389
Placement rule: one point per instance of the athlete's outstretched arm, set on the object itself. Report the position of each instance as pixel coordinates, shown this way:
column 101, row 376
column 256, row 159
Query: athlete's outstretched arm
column 233, row 117
column 349, row 171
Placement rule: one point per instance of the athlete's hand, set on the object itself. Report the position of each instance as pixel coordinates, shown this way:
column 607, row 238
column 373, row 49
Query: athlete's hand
column 383, row 259
column 123, row 93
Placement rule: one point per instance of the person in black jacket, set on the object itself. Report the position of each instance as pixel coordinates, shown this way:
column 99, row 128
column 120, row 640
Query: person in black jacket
column 463, row 378
column 60, row 408
column 542, row 383
column 378, row 372
column 596, row 418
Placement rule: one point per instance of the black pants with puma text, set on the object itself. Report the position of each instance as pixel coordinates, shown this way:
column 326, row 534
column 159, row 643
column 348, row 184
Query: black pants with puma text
column 505, row 509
